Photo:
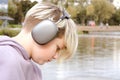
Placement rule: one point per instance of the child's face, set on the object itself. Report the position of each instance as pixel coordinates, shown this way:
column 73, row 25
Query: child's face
column 46, row 53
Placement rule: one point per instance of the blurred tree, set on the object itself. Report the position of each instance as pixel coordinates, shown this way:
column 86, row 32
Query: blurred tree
column 115, row 19
column 12, row 9
column 17, row 9
column 90, row 12
column 103, row 10
column 81, row 11
column 72, row 10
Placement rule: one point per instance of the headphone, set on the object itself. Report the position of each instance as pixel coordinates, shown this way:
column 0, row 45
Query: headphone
column 46, row 30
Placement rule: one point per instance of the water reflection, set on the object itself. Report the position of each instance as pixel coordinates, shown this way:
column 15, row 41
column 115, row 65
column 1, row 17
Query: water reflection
column 97, row 58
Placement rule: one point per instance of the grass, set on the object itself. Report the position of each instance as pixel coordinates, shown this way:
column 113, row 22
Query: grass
column 9, row 31
column 14, row 26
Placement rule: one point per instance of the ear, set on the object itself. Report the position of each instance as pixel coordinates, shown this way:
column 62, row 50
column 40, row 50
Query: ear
column 44, row 32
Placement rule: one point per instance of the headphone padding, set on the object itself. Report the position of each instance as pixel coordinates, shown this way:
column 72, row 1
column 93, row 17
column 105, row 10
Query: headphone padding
column 44, row 32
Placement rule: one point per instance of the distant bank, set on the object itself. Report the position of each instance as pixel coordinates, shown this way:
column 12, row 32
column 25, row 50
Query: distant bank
column 99, row 28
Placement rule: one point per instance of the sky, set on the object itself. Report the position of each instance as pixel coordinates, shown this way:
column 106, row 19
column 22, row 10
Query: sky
column 3, row 1
column 3, row 5
column 116, row 3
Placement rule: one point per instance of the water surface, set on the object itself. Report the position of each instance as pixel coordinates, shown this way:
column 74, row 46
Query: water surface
column 97, row 58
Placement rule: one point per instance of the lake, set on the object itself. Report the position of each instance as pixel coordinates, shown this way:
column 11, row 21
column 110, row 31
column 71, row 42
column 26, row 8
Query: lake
column 97, row 58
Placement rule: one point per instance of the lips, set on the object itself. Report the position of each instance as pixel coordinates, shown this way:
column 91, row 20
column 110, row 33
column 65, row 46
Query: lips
column 49, row 60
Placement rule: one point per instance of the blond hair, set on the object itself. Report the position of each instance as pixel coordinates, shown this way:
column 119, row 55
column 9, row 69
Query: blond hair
column 70, row 37
column 42, row 11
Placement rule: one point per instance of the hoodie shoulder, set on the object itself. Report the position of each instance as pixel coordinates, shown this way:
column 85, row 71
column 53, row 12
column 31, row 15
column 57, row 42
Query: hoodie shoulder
column 7, row 53
column 7, row 41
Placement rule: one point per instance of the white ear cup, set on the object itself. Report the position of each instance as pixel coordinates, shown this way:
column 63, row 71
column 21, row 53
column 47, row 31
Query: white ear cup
column 44, row 32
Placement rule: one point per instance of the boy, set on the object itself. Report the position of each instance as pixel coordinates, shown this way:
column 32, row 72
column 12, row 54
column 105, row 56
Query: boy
column 43, row 19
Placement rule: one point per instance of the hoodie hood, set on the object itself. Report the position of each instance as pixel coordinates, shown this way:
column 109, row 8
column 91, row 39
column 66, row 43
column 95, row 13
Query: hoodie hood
column 7, row 41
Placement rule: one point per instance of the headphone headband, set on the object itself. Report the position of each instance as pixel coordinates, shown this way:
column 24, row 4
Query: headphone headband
column 65, row 15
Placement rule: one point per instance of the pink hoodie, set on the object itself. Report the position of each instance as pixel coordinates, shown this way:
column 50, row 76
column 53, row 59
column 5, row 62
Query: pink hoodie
column 15, row 63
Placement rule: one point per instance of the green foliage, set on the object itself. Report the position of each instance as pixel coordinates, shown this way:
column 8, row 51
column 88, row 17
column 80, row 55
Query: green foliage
column 72, row 10
column 115, row 19
column 103, row 10
column 14, row 26
column 97, row 10
column 17, row 10
column 9, row 32
column 81, row 11
column 90, row 10
column 1, row 22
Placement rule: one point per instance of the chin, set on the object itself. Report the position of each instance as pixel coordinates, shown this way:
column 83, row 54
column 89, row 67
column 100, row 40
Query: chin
column 41, row 63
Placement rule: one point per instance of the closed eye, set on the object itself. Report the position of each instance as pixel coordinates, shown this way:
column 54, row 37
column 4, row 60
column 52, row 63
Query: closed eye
column 58, row 48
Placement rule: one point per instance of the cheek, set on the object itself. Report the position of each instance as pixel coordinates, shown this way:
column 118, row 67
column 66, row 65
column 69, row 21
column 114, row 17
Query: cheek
column 36, row 56
column 43, row 54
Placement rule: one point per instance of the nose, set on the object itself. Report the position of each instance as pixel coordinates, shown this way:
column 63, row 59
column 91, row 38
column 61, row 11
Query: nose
column 55, row 56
